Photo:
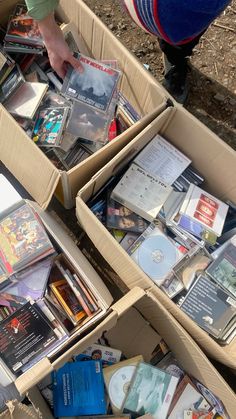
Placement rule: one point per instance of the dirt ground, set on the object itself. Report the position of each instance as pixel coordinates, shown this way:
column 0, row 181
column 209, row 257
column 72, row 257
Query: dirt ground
column 212, row 96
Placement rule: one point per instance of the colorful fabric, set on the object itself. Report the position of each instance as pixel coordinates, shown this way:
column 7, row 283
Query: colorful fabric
column 39, row 9
column 175, row 21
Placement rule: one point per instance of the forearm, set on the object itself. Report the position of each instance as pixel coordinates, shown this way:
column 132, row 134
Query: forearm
column 40, row 9
column 58, row 51
column 49, row 30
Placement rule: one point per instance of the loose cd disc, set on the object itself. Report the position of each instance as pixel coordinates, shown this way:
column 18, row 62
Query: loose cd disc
column 156, row 256
column 119, row 384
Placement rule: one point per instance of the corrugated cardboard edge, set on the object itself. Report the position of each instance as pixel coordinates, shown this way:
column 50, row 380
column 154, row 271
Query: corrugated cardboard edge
column 131, row 298
column 39, row 403
column 33, row 376
column 26, row 159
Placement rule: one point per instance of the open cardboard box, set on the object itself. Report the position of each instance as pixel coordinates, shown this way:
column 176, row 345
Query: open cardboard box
column 134, row 325
column 28, row 163
column 65, row 245
column 213, row 158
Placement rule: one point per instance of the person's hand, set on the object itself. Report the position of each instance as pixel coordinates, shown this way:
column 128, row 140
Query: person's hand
column 58, row 51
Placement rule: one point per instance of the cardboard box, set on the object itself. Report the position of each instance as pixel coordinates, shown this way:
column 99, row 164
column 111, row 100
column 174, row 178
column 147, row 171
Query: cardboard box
column 38, row 409
column 64, row 244
column 28, row 163
column 213, row 158
column 134, row 325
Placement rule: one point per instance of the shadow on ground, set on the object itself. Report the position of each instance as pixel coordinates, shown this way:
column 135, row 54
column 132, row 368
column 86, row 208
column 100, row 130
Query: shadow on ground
column 214, row 105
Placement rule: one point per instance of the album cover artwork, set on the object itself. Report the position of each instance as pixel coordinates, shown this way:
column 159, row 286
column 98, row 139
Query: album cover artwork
column 151, row 391
column 53, row 99
column 214, row 309
column 87, row 123
column 192, row 267
column 99, row 210
column 10, row 84
column 187, row 396
column 128, row 240
column 10, row 303
column 22, row 28
column 49, row 126
column 94, row 85
column 22, row 239
column 205, row 209
column 223, row 269
column 82, row 387
column 68, row 300
column 24, row 335
column 105, row 354
column 121, row 217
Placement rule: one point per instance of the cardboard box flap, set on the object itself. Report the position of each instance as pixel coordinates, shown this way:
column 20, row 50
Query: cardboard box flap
column 26, row 161
column 186, row 350
column 108, row 323
column 134, row 295
column 6, row 9
column 133, row 335
column 39, row 404
column 32, row 376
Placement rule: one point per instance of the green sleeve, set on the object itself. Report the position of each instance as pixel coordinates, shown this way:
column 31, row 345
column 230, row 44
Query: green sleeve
column 39, row 9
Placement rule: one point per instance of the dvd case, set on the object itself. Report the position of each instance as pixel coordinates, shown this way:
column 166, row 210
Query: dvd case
column 49, row 126
column 94, row 85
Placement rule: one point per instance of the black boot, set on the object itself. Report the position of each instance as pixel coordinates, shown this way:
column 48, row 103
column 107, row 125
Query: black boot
column 175, row 81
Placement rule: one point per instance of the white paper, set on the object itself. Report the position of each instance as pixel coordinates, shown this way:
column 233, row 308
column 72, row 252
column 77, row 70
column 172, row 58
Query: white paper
column 8, row 195
column 26, row 100
column 141, row 192
column 162, row 159
column 188, row 398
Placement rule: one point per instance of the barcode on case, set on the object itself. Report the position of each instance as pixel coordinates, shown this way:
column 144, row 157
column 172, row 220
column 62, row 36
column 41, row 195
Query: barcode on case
column 231, row 301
